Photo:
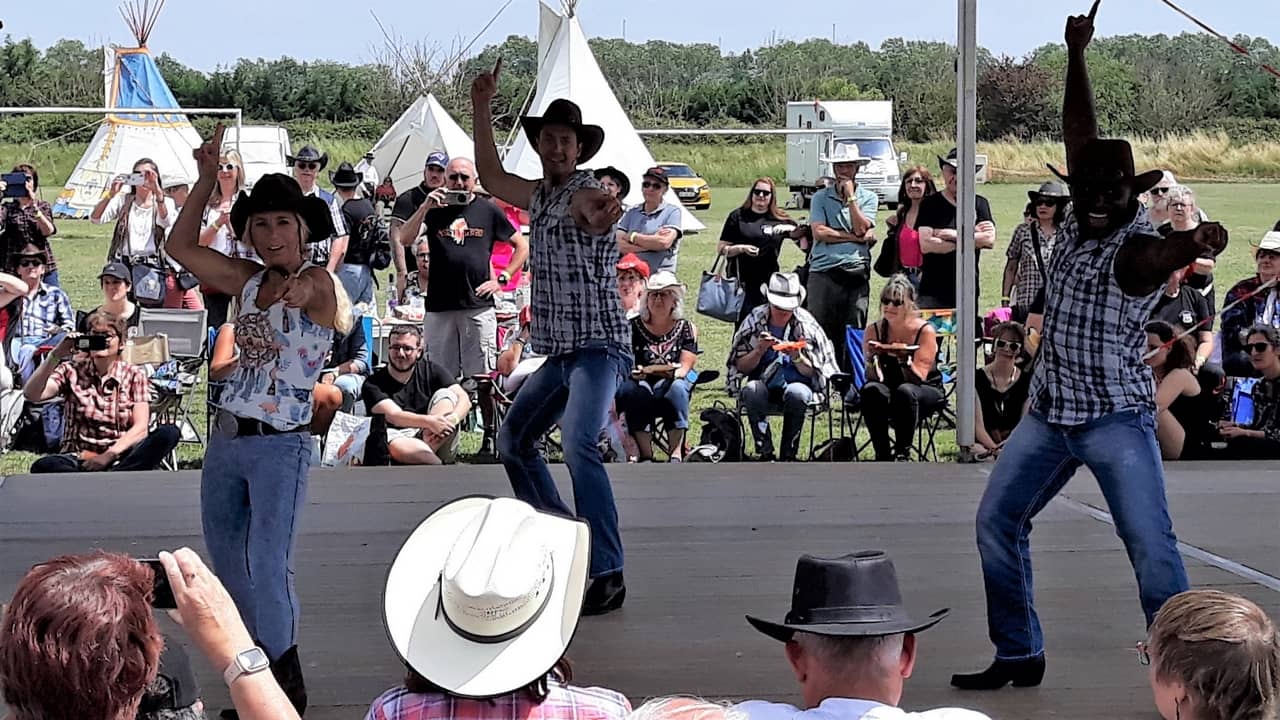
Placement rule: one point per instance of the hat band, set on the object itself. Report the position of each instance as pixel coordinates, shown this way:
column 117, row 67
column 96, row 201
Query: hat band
column 784, row 293
column 848, row 614
column 546, row 584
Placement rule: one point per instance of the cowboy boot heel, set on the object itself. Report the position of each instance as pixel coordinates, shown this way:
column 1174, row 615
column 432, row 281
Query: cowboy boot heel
column 1018, row 673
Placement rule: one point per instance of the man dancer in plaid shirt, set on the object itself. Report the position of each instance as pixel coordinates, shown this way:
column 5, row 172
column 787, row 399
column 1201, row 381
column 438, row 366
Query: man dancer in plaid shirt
column 578, row 324
column 1092, row 398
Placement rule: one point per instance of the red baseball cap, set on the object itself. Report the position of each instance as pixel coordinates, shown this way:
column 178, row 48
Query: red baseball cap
column 631, row 261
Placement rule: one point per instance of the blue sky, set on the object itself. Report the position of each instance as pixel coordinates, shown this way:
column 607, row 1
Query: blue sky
column 205, row 35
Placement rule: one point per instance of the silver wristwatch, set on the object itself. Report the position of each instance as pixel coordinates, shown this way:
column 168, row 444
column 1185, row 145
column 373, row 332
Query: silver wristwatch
column 250, row 661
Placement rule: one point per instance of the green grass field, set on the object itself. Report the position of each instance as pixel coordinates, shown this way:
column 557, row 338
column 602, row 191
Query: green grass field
column 1246, row 210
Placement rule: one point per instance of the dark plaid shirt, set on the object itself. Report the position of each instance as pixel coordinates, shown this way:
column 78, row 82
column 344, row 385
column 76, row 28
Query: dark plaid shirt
column 575, row 283
column 18, row 229
column 1090, row 362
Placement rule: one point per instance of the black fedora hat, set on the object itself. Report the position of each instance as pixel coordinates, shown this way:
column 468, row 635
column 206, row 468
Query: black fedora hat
column 309, row 153
column 618, row 176
column 275, row 192
column 346, row 177
column 855, row 595
column 567, row 113
column 1109, row 162
column 1051, row 190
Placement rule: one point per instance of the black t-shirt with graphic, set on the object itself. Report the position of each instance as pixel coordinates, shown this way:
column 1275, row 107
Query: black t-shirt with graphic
column 407, row 203
column 1185, row 311
column 938, row 273
column 461, row 240
column 414, row 396
column 355, row 212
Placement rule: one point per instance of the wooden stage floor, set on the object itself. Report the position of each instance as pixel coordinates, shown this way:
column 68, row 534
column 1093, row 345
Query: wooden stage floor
column 706, row 544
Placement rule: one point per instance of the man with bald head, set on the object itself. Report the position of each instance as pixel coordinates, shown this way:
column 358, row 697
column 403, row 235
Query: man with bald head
column 460, row 327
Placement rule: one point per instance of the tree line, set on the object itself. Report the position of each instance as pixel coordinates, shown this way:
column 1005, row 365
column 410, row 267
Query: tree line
column 1146, row 85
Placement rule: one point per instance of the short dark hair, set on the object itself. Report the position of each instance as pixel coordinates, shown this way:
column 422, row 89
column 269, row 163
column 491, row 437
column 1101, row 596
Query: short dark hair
column 29, row 170
column 414, row 330
column 1271, row 334
column 79, row 639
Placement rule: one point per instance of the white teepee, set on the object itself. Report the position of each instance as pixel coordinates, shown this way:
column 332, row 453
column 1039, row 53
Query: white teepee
column 132, row 81
column 567, row 69
column 424, row 128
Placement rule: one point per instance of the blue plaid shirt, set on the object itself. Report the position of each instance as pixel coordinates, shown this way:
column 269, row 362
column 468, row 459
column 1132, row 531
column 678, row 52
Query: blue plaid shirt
column 575, row 283
column 1090, row 361
column 46, row 313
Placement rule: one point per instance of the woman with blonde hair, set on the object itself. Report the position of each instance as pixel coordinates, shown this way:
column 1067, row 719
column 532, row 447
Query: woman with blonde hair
column 752, row 240
column 1212, row 656
column 903, row 381
column 216, row 231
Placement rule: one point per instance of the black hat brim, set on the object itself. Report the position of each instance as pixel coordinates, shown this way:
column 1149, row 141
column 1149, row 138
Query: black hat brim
column 618, row 176
column 784, row 632
column 323, row 160
column 314, row 212
column 1034, row 195
column 1138, row 183
column 591, row 136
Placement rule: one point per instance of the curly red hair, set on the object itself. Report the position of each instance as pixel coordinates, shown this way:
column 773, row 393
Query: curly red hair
column 79, row 639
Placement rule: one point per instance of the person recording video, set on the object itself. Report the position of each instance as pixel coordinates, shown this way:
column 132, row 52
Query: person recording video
column 108, row 404
column 25, row 219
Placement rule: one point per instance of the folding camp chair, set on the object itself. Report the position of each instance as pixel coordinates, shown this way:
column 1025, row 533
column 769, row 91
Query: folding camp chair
column 848, row 388
column 173, row 383
column 659, row 434
column 944, row 417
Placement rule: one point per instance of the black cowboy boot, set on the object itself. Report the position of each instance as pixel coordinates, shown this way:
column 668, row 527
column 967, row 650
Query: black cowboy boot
column 1019, row 673
column 287, row 670
column 604, row 594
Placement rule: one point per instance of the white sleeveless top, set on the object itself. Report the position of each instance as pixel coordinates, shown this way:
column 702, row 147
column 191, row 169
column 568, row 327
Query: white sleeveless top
column 282, row 352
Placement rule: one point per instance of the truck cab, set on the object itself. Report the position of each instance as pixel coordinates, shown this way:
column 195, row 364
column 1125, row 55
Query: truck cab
column 866, row 124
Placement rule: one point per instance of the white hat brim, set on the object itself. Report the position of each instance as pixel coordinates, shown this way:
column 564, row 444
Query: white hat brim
column 426, row 643
column 837, row 161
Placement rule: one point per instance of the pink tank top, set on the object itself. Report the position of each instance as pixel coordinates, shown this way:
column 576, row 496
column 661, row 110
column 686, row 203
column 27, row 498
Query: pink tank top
column 909, row 248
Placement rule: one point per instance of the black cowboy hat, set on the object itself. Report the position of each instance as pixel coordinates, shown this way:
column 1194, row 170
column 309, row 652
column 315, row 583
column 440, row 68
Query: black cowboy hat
column 309, row 153
column 851, row 596
column 275, row 192
column 618, row 176
column 1108, row 162
column 567, row 113
column 346, row 177
column 1051, row 190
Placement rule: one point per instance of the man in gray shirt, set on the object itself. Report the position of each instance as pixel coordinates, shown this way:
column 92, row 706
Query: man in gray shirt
column 651, row 229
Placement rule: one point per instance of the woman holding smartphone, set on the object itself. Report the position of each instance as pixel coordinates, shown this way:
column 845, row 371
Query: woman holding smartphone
column 904, row 383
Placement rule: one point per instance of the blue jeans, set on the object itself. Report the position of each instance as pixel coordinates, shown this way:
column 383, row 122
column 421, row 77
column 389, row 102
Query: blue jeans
column 1037, row 461
column 642, row 402
column 758, row 400
column 51, row 278
column 575, row 389
column 249, row 510
column 350, row 384
column 357, row 280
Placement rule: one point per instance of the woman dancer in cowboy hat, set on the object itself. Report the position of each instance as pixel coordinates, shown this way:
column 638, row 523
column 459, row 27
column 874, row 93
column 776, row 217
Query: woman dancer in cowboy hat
column 577, row 324
column 1092, row 398
column 287, row 313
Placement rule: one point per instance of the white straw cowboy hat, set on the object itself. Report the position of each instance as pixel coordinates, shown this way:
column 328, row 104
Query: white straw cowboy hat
column 845, row 153
column 484, row 596
column 664, row 280
column 784, row 291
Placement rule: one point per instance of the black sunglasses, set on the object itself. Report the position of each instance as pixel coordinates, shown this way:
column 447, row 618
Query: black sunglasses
column 1010, row 345
column 228, row 167
column 459, row 177
column 1259, row 347
column 761, row 193
column 891, row 301
column 1046, row 202
column 1159, row 191
column 307, row 165
column 30, row 262
column 651, row 186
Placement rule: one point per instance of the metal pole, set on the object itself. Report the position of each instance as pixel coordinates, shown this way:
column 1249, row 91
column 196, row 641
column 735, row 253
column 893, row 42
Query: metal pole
column 966, row 268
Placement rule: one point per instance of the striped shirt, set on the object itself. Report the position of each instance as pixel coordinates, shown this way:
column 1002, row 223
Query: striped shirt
column 575, row 285
column 1090, row 362
column 564, row 702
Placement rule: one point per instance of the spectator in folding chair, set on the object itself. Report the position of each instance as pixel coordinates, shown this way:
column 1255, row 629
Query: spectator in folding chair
column 46, row 313
column 633, row 273
column 904, row 384
column 1259, row 439
column 1182, row 421
column 116, row 285
column 1002, row 389
column 108, row 405
column 1247, row 303
column 766, row 379
column 665, row 347
column 343, row 378
column 422, row 404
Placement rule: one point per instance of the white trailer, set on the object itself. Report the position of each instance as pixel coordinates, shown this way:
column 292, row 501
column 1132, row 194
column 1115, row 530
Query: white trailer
column 262, row 147
column 865, row 123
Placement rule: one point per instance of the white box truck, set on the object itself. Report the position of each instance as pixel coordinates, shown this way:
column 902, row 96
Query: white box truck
column 865, row 123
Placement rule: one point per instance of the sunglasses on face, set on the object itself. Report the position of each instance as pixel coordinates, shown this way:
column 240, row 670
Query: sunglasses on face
column 30, row 262
column 1010, row 345
column 459, row 177
column 761, row 192
column 916, row 181
column 651, row 186
column 228, row 167
column 892, row 301
column 307, row 165
column 1159, row 191
column 1258, row 347
column 1046, row 202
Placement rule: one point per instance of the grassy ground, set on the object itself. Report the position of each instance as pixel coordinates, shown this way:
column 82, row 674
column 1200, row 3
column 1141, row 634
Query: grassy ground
column 1247, row 211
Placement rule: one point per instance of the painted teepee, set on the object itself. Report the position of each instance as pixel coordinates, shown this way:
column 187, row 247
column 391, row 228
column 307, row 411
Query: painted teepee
column 137, row 128
column 567, row 69
column 423, row 129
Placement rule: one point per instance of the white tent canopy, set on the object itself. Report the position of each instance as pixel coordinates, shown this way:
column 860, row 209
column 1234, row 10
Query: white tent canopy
column 424, row 128
column 567, row 69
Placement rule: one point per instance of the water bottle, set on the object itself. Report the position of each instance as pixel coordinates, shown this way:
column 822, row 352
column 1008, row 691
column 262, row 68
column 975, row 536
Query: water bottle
column 391, row 305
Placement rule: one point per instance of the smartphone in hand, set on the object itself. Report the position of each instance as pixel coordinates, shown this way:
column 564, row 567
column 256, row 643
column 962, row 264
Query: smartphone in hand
column 162, row 593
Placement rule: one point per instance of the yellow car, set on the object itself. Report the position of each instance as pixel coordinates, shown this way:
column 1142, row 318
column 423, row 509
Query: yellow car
column 688, row 185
